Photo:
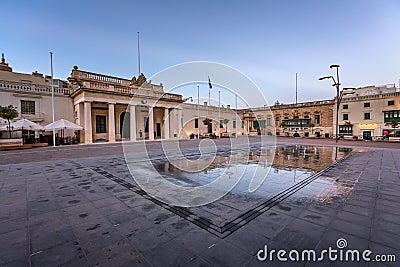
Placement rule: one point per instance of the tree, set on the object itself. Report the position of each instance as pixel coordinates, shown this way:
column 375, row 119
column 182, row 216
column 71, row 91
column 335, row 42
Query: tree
column 206, row 121
column 226, row 121
column 394, row 124
column 9, row 113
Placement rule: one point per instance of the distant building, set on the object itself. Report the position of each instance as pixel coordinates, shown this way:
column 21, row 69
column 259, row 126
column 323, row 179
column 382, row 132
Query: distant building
column 369, row 111
column 31, row 95
column 302, row 119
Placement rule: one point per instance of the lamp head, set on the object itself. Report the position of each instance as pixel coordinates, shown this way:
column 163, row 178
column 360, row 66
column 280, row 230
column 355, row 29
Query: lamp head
column 334, row 66
column 324, row 78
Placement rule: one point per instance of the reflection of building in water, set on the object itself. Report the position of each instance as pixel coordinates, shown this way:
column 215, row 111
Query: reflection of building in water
column 309, row 158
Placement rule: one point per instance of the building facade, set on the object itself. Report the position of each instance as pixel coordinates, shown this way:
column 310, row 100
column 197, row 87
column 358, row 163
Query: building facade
column 369, row 111
column 31, row 95
column 302, row 119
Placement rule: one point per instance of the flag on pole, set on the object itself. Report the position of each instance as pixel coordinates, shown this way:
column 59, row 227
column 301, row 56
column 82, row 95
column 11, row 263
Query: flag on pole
column 209, row 83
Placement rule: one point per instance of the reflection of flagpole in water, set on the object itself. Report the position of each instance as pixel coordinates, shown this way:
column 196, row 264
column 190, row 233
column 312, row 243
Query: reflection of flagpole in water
column 336, row 152
column 294, row 175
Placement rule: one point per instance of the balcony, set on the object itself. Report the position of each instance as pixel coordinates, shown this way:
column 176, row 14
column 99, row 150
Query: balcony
column 249, row 115
column 296, row 123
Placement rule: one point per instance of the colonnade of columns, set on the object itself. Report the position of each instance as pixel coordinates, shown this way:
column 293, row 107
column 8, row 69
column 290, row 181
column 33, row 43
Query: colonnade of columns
column 86, row 114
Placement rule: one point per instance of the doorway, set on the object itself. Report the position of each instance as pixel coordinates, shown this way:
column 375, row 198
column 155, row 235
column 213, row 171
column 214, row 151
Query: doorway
column 158, row 129
column 209, row 128
column 124, row 125
column 367, row 135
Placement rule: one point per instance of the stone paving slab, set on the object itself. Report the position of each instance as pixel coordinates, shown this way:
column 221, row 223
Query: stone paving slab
column 61, row 213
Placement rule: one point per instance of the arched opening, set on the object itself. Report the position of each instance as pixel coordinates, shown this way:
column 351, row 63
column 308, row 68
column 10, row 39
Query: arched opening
column 124, row 124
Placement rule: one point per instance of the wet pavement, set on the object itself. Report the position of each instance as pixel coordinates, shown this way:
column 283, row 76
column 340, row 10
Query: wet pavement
column 78, row 206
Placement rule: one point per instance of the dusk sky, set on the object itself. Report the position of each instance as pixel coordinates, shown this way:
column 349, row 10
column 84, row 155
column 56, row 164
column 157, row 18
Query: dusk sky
column 269, row 41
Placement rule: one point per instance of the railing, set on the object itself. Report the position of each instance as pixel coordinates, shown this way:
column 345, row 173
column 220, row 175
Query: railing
column 148, row 91
column 29, row 87
column 249, row 115
column 288, row 123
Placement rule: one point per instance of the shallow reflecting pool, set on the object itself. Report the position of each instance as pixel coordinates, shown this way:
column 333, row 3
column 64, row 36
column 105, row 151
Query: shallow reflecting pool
column 291, row 165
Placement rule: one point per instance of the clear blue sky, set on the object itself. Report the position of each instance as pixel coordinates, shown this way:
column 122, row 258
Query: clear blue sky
column 269, row 41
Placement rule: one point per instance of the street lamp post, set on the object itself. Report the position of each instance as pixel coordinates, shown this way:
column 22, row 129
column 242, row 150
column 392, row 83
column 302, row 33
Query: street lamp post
column 337, row 85
column 339, row 94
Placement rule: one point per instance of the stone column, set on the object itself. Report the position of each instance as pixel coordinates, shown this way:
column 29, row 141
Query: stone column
column 111, row 122
column 179, row 122
column 80, row 120
column 132, row 111
column 166, row 123
column 151, row 123
column 88, row 122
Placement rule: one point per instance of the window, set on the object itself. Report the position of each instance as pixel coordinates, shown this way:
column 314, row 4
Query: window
column 367, row 105
column 221, row 124
column 317, row 119
column 277, row 121
column 345, row 117
column 268, row 121
column 256, row 125
column 346, row 129
column 27, row 107
column 242, row 124
column 259, row 124
column 196, row 123
column 391, row 115
column 391, row 103
column 306, row 117
column 346, row 106
column 100, row 124
column 367, row 116
column 234, row 124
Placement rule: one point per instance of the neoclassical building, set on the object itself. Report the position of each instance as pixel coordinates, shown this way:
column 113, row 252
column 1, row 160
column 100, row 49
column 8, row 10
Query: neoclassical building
column 111, row 108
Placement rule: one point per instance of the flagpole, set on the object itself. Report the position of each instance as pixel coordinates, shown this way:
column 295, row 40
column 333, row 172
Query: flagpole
column 52, row 97
column 209, row 98
column 198, row 112
column 219, row 113
column 138, row 48
column 296, row 88
column 209, row 90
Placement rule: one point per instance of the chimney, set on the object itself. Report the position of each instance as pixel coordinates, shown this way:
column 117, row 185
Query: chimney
column 228, row 106
column 205, row 103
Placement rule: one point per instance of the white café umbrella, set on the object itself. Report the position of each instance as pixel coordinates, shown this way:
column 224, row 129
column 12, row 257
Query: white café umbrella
column 62, row 124
column 25, row 124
